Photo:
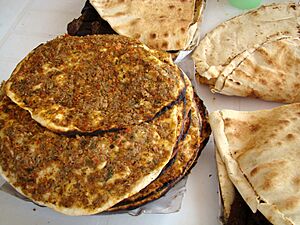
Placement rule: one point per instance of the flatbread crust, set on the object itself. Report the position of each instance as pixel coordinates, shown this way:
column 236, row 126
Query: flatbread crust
column 165, row 25
column 82, row 175
column 261, row 152
column 269, row 72
column 235, row 210
column 243, row 32
column 227, row 191
column 253, row 39
column 189, row 149
column 94, row 83
column 149, row 193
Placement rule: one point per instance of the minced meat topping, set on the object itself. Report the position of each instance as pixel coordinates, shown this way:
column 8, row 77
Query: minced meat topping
column 187, row 152
column 85, row 172
column 92, row 83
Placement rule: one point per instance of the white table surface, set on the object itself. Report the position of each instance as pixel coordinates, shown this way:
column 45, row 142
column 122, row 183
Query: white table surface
column 24, row 24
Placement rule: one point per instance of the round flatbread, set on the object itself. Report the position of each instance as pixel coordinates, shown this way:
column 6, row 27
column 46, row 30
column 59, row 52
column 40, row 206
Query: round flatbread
column 94, row 83
column 194, row 139
column 82, row 175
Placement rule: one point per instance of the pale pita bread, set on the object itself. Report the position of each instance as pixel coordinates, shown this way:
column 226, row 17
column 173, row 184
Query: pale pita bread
column 270, row 72
column 247, row 31
column 227, row 191
column 165, row 25
column 261, row 153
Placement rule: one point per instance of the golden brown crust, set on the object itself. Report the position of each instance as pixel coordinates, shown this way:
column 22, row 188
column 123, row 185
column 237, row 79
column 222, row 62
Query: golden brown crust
column 83, row 174
column 189, row 149
column 92, row 83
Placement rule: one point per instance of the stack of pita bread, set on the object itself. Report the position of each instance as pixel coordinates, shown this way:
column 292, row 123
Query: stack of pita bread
column 258, row 158
column 98, row 123
column 255, row 54
column 166, row 25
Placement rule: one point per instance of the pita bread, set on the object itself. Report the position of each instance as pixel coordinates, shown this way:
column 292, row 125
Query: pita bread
column 235, row 210
column 94, row 83
column 269, row 72
column 242, row 33
column 82, row 175
column 227, row 191
column 166, row 25
column 260, row 150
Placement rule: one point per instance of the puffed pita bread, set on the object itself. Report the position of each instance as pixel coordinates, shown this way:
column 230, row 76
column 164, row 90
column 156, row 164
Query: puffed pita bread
column 261, row 152
column 165, row 25
column 240, row 35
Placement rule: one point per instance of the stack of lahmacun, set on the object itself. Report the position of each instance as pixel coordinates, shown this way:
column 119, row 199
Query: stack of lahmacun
column 98, row 123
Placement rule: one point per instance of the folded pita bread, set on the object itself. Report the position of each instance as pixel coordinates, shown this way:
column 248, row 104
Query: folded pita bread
column 165, row 25
column 226, row 187
column 270, row 72
column 255, row 54
column 235, row 210
column 261, row 152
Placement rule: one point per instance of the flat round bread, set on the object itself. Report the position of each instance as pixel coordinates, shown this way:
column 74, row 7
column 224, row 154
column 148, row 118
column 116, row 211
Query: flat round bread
column 82, row 175
column 186, row 106
column 94, row 83
column 148, row 193
column 166, row 25
column 189, row 148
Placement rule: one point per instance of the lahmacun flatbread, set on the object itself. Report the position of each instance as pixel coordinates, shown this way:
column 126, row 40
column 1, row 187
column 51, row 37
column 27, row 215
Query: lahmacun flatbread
column 94, row 83
column 193, row 141
column 82, row 175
